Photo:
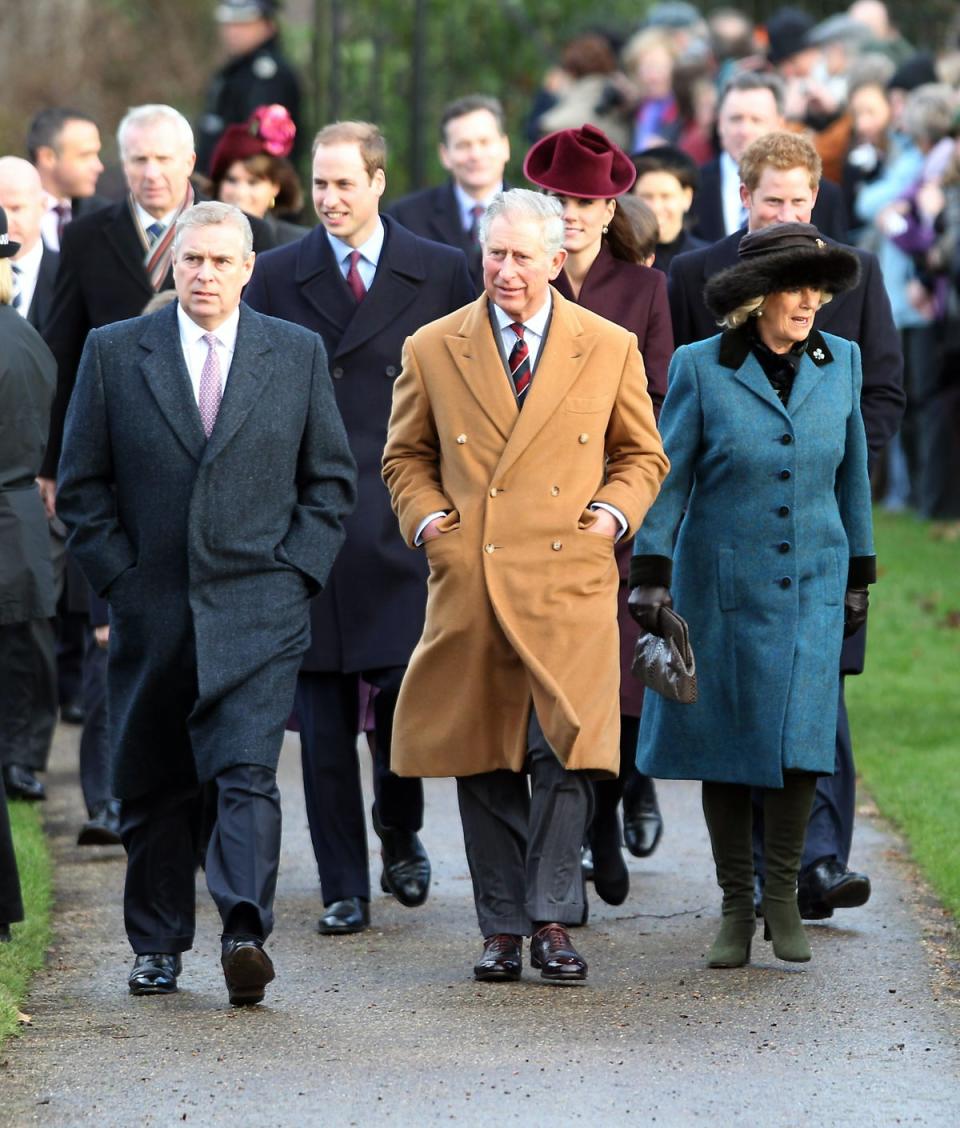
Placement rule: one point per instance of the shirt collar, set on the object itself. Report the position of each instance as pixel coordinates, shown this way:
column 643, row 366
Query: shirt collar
column 30, row 262
column 536, row 324
column 146, row 219
column 468, row 203
column 370, row 250
column 226, row 332
column 728, row 167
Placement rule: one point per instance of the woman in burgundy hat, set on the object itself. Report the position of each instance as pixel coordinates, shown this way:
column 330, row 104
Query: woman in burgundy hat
column 249, row 169
column 604, row 272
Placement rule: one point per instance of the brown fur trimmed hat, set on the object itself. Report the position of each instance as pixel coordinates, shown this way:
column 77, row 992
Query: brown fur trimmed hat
column 784, row 256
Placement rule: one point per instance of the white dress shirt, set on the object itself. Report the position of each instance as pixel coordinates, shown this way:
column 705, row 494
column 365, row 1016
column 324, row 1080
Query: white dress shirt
column 50, row 223
column 467, row 203
column 370, row 252
column 733, row 209
column 195, row 348
column 28, row 268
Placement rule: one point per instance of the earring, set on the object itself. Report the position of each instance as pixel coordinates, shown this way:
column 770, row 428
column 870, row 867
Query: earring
column 605, row 229
column 273, row 202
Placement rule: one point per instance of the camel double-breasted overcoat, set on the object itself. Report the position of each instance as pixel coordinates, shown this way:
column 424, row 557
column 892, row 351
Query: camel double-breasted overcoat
column 522, row 597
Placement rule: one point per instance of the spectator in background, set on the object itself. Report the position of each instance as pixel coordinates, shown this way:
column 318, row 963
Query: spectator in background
column 884, row 37
column 666, row 181
column 871, row 138
column 64, row 144
column 649, row 59
column 249, row 169
column 731, row 40
column 588, row 89
column 256, row 72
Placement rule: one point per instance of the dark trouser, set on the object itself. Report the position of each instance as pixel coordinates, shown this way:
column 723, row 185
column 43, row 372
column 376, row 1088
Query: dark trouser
column 28, row 693
column 11, row 904
column 607, row 793
column 69, row 623
column 921, row 378
column 161, row 833
column 327, row 706
column 94, row 747
column 830, row 828
column 522, row 833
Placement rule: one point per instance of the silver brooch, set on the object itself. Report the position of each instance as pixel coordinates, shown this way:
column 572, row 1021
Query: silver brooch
column 821, row 243
column 817, row 354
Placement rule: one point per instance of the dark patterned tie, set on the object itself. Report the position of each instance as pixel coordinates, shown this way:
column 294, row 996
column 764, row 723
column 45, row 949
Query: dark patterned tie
column 477, row 213
column 354, row 281
column 520, row 363
column 17, row 296
column 64, row 215
column 154, row 232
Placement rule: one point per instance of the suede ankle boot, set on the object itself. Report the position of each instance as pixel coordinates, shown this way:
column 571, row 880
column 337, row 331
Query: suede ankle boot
column 728, row 811
column 785, row 814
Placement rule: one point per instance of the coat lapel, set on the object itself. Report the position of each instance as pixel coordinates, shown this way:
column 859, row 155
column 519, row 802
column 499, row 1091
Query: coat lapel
column 167, row 378
column 816, row 356
column 445, row 222
column 122, row 236
column 249, row 375
column 317, row 277
column 475, row 353
column 565, row 352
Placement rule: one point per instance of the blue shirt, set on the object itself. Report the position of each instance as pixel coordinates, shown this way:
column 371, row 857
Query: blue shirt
column 370, row 252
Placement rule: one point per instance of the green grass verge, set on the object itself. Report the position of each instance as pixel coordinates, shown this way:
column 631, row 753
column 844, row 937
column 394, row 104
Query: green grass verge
column 905, row 710
column 21, row 958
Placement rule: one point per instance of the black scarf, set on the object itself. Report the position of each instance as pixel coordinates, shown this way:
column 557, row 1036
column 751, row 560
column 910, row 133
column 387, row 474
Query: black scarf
column 779, row 368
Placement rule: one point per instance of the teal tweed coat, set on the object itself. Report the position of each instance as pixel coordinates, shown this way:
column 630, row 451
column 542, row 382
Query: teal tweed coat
column 762, row 512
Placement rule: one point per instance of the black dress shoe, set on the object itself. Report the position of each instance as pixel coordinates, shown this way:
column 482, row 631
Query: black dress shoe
column 611, row 878
column 642, row 821
column 21, row 783
column 155, row 973
column 829, row 885
column 247, row 969
column 103, row 827
column 72, row 713
column 340, row 918
column 5, row 936
column 502, row 958
column 406, row 867
column 552, row 951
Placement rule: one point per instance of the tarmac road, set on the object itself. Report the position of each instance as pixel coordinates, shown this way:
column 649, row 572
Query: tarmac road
column 388, row 1027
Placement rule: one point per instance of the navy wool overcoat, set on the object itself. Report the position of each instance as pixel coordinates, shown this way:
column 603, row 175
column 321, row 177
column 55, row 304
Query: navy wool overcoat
column 771, row 503
column 206, row 550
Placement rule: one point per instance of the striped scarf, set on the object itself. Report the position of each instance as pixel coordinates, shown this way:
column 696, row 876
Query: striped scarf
column 159, row 257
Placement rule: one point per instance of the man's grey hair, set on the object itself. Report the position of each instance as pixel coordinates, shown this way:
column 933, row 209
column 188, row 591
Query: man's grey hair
column 210, row 213
column 753, row 80
column 929, row 113
column 528, row 205
column 139, row 116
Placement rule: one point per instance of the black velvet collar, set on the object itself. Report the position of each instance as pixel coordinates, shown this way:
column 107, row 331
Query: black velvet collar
column 735, row 346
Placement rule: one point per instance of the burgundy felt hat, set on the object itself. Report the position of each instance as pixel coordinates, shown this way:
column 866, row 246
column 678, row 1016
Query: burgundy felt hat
column 269, row 130
column 580, row 162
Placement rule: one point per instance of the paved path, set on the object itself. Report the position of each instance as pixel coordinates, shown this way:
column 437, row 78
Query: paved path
column 389, row 1028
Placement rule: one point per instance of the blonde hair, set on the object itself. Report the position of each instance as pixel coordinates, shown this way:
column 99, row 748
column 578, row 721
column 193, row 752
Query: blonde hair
column 6, row 282
column 783, row 151
column 753, row 307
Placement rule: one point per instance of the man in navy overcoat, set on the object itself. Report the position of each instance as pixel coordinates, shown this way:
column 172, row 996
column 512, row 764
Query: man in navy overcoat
column 365, row 284
column 204, row 481
column 783, row 171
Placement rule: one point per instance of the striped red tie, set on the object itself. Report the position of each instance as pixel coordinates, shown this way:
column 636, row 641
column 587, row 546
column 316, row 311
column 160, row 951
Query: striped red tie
column 520, row 363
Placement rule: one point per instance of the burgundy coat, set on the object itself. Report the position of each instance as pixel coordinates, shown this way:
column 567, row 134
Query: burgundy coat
column 635, row 297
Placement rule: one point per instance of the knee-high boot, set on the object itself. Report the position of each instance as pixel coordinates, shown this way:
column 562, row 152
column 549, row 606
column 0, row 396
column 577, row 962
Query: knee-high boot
column 785, row 814
column 727, row 809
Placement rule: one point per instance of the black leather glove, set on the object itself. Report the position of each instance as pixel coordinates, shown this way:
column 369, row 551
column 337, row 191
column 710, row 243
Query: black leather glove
column 855, row 604
column 644, row 604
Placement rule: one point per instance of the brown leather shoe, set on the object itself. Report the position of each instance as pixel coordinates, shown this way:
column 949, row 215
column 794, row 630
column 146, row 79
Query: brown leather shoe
column 502, row 958
column 551, row 950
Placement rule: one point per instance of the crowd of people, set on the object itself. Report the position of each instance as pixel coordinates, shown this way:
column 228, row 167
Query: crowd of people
column 425, row 472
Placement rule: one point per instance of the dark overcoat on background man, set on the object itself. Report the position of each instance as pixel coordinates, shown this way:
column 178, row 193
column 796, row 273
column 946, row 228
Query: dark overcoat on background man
column 371, row 612
column 209, row 557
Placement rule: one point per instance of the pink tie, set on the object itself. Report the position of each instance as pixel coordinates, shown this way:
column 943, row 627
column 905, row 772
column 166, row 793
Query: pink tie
column 354, row 281
column 211, row 385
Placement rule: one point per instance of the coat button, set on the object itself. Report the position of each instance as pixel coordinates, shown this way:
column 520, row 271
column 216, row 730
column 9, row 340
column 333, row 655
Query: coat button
column 554, row 491
column 786, row 439
column 784, row 546
column 784, row 510
column 390, row 370
column 493, row 491
column 337, row 373
column 784, row 475
column 584, row 438
column 556, row 546
column 461, row 439
column 488, row 548
column 786, row 582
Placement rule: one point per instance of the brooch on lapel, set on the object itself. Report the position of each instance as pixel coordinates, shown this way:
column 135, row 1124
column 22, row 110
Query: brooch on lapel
column 817, row 354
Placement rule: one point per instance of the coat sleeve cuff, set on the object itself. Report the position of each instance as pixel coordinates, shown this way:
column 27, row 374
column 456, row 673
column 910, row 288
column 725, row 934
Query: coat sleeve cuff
column 863, row 571
column 650, row 571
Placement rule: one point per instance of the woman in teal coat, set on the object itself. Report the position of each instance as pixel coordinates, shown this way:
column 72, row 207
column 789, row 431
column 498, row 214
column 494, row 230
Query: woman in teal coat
column 764, row 521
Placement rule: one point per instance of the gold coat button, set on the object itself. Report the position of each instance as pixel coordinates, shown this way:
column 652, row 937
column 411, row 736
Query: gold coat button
column 555, row 491
column 584, row 437
column 556, row 546
column 461, row 439
column 488, row 548
column 493, row 491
